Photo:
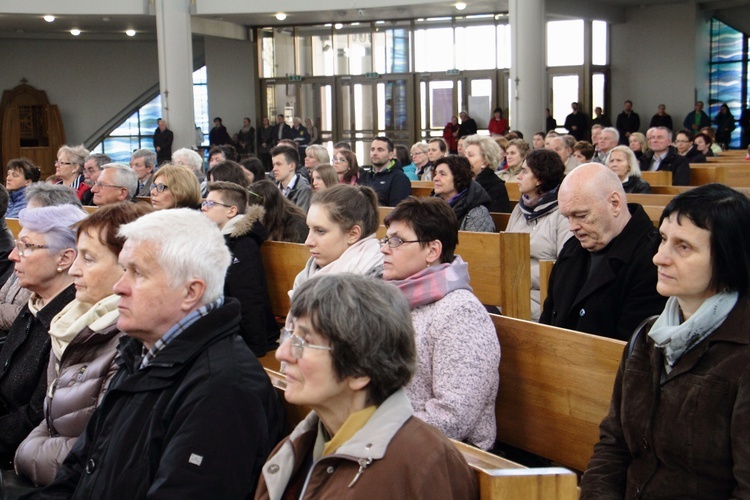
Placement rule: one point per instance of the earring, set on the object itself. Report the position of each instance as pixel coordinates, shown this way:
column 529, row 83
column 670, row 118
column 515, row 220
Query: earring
column 59, row 269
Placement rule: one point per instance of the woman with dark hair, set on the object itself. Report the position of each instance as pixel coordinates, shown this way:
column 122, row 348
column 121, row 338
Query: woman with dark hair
column 348, row 357
column 346, row 167
column 254, row 170
column 283, row 220
column 84, row 337
column 228, row 171
column 703, row 143
column 725, row 125
column 21, row 174
column 498, row 125
column 678, row 424
column 537, row 213
column 458, row 353
column 453, row 183
column 684, row 142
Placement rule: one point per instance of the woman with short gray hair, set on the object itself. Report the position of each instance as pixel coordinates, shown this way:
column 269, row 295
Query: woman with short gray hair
column 69, row 168
column 348, row 357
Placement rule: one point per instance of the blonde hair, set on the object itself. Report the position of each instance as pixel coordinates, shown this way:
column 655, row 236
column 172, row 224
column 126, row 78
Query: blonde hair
column 183, row 184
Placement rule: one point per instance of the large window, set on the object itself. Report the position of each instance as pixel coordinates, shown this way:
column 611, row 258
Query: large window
column 137, row 131
column 729, row 76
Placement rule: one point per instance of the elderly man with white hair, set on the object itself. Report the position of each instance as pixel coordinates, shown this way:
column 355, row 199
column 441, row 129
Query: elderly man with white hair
column 116, row 183
column 191, row 412
column 604, row 281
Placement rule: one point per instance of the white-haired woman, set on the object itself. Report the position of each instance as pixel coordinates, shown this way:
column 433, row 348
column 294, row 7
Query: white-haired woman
column 622, row 161
column 69, row 168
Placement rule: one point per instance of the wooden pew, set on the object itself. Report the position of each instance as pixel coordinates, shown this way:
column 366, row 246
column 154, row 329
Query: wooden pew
column 733, row 175
column 499, row 266
column 658, row 178
column 499, row 218
column 14, row 226
column 555, row 388
column 545, row 271
column 498, row 478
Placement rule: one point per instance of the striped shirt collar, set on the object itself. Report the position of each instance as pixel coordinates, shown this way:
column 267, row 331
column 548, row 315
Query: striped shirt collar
column 177, row 330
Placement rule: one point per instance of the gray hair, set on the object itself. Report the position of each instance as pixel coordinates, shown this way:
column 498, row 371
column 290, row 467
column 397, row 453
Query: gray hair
column 100, row 159
column 320, row 153
column 189, row 245
column 146, row 154
column 58, row 224
column 669, row 132
column 613, row 131
column 76, row 154
column 41, row 194
column 635, row 169
column 368, row 325
column 489, row 148
column 124, row 177
column 422, row 146
column 193, row 159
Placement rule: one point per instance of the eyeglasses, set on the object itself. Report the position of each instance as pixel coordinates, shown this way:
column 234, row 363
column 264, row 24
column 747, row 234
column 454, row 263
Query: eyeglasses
column 58, row 162
column 340, row 160
column 299, row 344
column 415, row 153
column 395, row 241
column 209, row 204
column 22, row 247
column 102, row 185
column 681, row 141
column 159, row 188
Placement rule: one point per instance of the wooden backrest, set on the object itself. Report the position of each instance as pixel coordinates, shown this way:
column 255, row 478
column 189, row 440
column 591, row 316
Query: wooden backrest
column 499, row 267
column 650, row 199
column 500, row 219
column 555, row 388
column 421, row 191
column 545, row 270
column 498, row 478
column 14, row 226
column 730, row 174
column 658, row 178
column 513, row 192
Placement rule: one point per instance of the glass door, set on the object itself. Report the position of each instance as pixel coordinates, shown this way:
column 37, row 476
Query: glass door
column 311, row 98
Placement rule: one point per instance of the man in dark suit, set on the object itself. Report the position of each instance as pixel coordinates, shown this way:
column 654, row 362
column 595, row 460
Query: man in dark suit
column 627, row 122
column 576, row 123
column 664, row 156
column 282, row 130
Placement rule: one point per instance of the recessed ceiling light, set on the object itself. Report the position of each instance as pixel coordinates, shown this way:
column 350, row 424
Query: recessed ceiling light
column 280, row 16
column 49, row 19
column 106, row 19
column 75, row 32
column 460, row 6
column 130, row 32
column 338, row 26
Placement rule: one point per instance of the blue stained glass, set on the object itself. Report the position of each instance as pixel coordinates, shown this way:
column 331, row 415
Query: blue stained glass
column 726, row 43
column 149, row 114
column 728, row 73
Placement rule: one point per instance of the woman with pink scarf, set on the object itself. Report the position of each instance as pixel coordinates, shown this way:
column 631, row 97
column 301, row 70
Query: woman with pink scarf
column 458, row 352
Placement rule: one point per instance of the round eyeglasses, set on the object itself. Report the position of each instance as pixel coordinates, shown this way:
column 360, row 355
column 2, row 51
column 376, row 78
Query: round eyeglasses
column 299, row 344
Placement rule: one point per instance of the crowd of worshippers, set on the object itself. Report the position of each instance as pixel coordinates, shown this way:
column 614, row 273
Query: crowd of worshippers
column 130, row 336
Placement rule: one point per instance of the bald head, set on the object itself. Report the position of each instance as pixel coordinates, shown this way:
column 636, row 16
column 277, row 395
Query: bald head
column 593, row 200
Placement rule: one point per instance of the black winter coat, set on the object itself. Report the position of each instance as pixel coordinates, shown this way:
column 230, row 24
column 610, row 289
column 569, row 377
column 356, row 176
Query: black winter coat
column 620, row 294
column 198, row 422
column 23, row 373
column 391, row 184
column 246, row 282
column 673, row 162
column 494, row 186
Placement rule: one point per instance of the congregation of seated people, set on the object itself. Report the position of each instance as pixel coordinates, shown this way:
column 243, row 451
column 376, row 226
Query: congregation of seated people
column 157, row 298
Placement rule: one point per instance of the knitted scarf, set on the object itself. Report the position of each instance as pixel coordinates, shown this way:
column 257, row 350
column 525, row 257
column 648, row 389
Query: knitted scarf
column 533, row 209
column 435, row 282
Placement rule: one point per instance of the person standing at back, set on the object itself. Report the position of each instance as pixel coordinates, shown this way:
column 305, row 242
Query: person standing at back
column 627, row 122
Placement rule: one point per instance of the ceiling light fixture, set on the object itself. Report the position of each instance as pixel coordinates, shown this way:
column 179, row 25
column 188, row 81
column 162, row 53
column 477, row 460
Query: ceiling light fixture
column 49, row 19
column 280, row 16
column 75, row 32
column 130, row 32
column 460, row 6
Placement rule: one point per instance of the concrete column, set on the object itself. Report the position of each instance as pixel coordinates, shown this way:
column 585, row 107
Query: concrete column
column 175, row 47
column 528, row 64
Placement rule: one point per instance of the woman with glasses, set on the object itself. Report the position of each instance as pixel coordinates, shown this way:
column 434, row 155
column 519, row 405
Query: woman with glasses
column 458, row 352
column 69, row 168
column 84, row 337
column 686, row 147
column 174, row 186
column 226, row 205
column 348, row 358
column 420, row 159
column 45, row 250
column 346, row 167
column 342, row 221
column 283, row 219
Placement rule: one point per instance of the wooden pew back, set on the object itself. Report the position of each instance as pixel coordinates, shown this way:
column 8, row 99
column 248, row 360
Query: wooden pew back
column 658, row 178
column 730, row 174
column 555, row 388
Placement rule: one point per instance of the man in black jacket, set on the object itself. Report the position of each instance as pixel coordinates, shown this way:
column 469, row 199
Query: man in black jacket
column 604, row 281
column 627, row 122
column 191, row 412
column 664, row 156
column 385, row 176
column 163, row 138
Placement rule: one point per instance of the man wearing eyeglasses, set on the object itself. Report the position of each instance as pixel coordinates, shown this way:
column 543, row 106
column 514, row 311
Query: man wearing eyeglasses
column 92, row 167
column 190, row 413
column 115, row 183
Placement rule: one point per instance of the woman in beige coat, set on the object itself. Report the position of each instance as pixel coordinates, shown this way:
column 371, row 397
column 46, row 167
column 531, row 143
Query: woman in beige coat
column 84, row 336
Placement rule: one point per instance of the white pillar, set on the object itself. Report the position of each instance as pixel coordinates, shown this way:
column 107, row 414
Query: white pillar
column 175, row 47
column 528, row 66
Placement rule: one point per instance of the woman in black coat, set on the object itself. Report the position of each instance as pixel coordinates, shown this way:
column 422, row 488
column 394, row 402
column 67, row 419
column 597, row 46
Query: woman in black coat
column 485, row 157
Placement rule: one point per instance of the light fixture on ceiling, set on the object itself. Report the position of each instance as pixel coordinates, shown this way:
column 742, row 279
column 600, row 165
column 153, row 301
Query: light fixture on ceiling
column 338, row 26
column 75, row 32
column 49, row 19
column 280, row 16
column 130, row 32
column 460, row 6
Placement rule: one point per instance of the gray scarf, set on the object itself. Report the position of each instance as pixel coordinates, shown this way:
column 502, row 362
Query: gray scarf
column 675, row 338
